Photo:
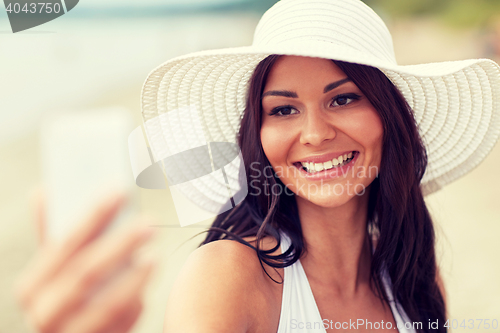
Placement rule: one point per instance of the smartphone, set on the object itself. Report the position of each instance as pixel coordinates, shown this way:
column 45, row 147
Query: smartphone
column 84, row 155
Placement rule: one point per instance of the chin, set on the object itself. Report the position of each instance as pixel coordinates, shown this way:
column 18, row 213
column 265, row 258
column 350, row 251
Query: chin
column 326, row 200
column 331, row 197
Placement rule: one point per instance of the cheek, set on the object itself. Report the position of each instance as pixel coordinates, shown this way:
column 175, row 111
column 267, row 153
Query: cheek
column 275, row 141
column 369, row 131
column 376, row 133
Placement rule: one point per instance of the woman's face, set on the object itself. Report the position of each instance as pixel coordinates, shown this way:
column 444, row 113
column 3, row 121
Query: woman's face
column 321, row 135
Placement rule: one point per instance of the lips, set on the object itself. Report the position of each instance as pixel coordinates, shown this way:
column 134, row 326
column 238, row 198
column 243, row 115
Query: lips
column 316, row 164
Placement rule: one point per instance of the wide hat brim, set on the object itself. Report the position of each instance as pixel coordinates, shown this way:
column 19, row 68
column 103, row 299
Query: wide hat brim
column 456, row 104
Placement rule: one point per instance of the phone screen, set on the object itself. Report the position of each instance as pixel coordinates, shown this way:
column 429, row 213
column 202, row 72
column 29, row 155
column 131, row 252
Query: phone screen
column 84, row 156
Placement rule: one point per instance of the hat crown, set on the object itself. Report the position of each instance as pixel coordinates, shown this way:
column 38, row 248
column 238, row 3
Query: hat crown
column 347, row 24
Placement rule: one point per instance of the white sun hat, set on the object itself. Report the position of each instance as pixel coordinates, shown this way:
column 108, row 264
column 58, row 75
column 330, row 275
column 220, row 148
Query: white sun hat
column 456, row 104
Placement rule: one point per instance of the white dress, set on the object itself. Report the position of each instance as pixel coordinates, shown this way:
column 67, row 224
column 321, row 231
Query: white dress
column 300, row 314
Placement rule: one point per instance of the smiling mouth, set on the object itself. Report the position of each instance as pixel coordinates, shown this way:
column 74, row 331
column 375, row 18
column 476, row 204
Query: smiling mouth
column 337, row 162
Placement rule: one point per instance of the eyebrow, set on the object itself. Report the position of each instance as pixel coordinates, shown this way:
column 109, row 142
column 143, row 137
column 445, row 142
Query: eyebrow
column 284, row 93
column 292, row 94
column 336, row 84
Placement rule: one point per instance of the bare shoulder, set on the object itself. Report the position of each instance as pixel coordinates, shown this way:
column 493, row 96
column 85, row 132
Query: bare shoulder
column 222, row 287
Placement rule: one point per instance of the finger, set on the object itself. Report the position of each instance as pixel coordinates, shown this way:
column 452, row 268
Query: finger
column 95, row 223
column 87, row 272
column 127, row 319
column 105, row 311
column 121, row 323
column 99, row 261
column 51, row 258
column 38, row 203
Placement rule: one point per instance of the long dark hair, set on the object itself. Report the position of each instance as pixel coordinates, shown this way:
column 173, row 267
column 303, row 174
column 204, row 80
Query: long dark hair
column 396, row 210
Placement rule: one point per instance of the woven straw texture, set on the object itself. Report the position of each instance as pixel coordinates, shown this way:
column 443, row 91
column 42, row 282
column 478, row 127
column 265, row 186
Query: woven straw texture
column 456, row 104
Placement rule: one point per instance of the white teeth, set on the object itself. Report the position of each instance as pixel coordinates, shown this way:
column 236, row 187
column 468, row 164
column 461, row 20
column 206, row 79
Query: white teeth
column 336, row 162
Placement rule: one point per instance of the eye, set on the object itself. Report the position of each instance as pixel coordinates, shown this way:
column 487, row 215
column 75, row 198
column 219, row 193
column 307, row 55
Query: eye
column 345, row 99
column 281, row 111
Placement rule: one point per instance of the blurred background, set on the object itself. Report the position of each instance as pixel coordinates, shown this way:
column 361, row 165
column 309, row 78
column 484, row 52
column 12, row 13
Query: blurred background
column 99, row 54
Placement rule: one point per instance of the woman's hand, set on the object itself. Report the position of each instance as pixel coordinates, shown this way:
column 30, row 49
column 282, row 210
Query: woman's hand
column 86, row 283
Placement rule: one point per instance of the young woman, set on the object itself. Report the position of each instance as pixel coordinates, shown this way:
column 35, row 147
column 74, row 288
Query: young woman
column 353, row 123
column 337, row 236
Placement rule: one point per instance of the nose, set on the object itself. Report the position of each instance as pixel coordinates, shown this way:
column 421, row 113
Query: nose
column 316, row 128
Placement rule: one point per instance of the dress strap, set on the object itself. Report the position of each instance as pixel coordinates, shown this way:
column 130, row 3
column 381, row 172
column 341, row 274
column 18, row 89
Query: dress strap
column 402, row 321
